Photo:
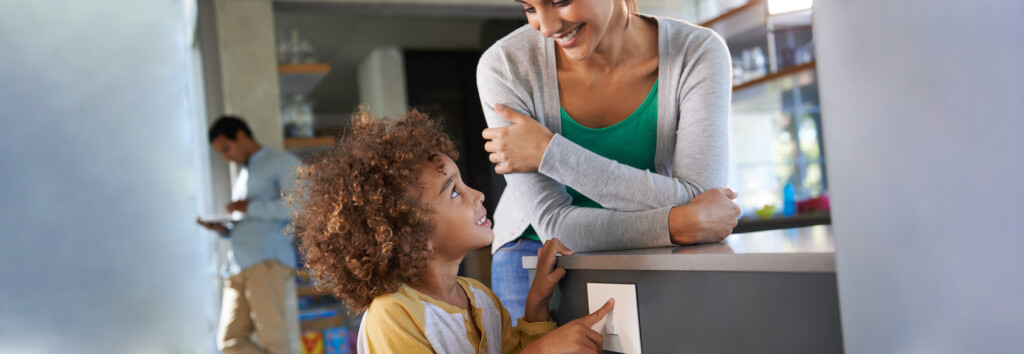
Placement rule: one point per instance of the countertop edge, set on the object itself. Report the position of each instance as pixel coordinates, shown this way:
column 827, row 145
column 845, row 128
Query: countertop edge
column 767, row 262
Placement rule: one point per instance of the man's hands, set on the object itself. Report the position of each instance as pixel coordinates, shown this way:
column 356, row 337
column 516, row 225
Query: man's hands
column 218, row 227
column 545, row 280
column 575, row 336
column 241, row 205
column 519, row 147
column 708, row 218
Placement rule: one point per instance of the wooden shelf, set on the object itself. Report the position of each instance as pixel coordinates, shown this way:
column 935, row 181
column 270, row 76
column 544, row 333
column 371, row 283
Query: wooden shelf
column 301, row 143
column 309, row 290
column 300, row 78
column 730, row 13
column 321, row 324
column 310, row 68
column 776, row 75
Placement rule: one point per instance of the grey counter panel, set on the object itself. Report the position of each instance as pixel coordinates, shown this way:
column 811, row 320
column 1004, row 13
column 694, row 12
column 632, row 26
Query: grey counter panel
column 722, row 312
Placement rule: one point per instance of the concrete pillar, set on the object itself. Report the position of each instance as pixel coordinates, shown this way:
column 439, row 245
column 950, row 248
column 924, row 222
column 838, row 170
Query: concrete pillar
column 248, row 66
column 382, row 82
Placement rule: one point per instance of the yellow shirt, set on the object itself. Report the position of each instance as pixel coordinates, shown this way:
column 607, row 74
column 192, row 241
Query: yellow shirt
column 408, row 321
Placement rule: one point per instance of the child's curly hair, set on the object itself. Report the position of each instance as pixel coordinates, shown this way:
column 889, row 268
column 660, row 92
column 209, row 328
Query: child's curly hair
column 358, row 220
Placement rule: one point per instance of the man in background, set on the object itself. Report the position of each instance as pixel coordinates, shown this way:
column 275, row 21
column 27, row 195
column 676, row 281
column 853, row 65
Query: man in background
column 261, row 259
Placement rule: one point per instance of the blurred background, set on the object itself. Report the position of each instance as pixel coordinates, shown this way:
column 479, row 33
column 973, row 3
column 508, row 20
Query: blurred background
column 105, row 107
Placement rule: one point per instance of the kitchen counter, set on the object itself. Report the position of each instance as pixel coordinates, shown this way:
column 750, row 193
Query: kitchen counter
column 765, row 292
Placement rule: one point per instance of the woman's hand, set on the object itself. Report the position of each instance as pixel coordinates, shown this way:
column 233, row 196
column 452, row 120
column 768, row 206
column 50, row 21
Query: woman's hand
column 518, row 147
column 545, row 280
column 710, row 217
column 575, row 336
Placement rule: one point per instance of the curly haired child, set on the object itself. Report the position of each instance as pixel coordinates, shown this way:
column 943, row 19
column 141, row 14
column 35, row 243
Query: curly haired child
column 384, row 219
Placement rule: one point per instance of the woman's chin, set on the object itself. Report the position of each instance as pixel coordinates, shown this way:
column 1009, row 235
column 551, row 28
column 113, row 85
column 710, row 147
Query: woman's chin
column 576, row 54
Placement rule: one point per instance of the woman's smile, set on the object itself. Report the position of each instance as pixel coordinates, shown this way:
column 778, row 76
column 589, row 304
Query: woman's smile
column 568, row 39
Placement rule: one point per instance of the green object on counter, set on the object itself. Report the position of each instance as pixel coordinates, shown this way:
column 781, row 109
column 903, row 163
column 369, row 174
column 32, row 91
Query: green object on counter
column 765, row 212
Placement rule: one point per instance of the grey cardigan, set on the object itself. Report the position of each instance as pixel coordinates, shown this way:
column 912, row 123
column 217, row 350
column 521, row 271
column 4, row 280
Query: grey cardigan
column 691, row 156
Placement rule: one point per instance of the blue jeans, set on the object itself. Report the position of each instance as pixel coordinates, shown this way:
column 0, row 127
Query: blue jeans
column 508, row 278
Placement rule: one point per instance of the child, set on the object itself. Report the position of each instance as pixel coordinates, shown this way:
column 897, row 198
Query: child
column 385, row 219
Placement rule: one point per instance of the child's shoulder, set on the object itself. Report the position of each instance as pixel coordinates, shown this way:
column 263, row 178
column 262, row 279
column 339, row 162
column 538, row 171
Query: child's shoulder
column 394, row 322
column 404, row 302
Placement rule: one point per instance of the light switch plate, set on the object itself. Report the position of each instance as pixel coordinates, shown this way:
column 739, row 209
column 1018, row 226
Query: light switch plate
column 625, row 316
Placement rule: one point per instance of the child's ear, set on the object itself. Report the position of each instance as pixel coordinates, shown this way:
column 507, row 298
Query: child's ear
column 430, row 244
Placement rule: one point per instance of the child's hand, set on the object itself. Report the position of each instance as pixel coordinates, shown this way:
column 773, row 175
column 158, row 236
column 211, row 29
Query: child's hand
column 545, row 280
column 575, row 336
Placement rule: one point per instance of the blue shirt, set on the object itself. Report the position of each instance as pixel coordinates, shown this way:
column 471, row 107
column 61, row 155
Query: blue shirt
column 259, row 236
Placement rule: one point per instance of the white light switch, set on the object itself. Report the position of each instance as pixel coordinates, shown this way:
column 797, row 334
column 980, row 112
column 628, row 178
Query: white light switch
column 609, row 324
column 621, row 328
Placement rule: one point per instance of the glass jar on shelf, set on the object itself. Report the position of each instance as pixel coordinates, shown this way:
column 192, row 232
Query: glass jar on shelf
column 297, row 117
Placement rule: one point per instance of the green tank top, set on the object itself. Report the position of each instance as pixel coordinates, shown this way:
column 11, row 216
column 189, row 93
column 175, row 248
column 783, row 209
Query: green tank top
column 631, row 141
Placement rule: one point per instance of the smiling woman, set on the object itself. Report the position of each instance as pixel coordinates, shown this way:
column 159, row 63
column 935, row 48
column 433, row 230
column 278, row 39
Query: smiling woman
column 606, row 123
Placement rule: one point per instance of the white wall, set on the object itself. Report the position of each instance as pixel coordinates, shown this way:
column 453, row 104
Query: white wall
column 924, row 130
column 102, row 145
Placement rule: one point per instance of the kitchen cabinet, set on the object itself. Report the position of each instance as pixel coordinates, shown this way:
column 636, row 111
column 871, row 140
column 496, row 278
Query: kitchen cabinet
column 763, row 292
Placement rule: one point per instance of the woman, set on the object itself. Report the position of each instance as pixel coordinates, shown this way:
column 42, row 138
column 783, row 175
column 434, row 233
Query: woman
column 619, row 121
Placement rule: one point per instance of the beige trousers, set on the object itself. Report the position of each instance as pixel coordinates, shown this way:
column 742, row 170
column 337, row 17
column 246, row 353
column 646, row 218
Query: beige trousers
column 254, row 301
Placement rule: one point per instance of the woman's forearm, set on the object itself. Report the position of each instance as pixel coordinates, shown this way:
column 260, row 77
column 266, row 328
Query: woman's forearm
column 548, row 208
column 616, row 185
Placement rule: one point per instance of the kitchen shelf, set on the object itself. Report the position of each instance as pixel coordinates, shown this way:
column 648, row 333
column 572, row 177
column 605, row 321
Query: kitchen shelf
column 730, row 13
column 309, row 290
column 300, row 78
column 310, row 68
column 322, row 324
column 776, row 75
column 314, row 142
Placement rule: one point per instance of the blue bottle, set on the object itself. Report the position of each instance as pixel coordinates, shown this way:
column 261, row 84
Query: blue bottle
column 788, row 200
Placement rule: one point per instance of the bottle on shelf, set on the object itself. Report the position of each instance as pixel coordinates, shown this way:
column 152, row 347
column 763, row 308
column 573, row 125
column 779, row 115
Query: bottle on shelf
column 295, row 49
column 297, row 117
